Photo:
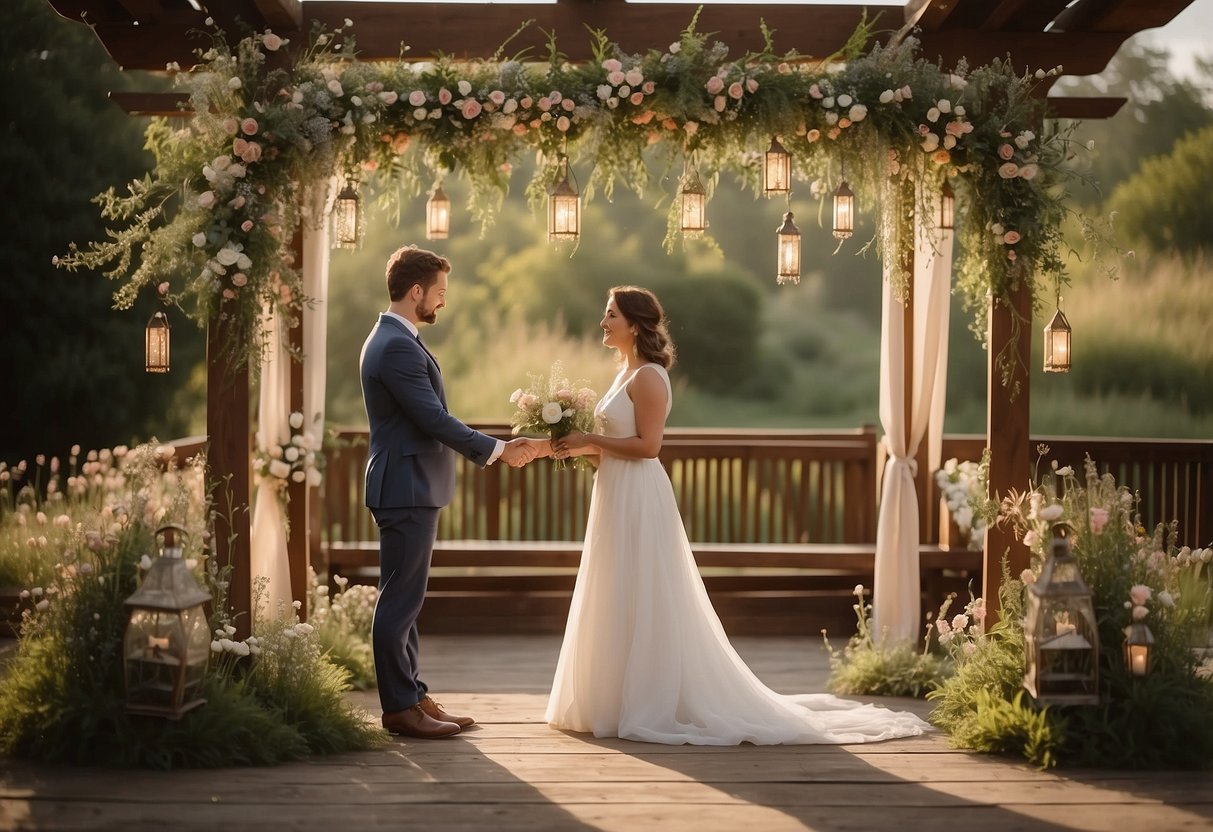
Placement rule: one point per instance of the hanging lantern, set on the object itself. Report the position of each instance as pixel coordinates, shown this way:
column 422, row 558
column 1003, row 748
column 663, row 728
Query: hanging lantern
column 1139, row 649
column 789, row 251
column 156, row 344
column 693, row 198
column 347, row 218
column 437, row 214
column 1062, row 639
column 844, row 211
column 777, row 170
column 947, row 208
column 1057, row 344
column 167, row 641
column 564, row 207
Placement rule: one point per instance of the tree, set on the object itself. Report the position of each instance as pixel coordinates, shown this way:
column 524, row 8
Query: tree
column 1165, row 205
column 72, row 365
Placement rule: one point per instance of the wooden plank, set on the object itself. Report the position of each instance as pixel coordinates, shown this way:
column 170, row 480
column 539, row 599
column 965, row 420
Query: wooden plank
column 1080, row 52
column 1080, row 107
column 281, row 14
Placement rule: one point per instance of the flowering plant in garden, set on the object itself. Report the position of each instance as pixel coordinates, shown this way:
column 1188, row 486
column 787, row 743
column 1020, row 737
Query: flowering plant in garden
column 343, row 626
column 552, row 405
column 296, row 460
column 1134, row 576
column 211, row 228
column 963, row 486
column 270, row 697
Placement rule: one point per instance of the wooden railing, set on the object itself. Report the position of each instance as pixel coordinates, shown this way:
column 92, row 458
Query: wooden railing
column 732, row 487
column 1173, row 478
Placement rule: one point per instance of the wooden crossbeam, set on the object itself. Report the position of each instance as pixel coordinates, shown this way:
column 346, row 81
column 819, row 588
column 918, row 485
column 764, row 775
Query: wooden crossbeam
column 281, row 14
column 1081, row 53
column 1084, row 108
column 1119, row 15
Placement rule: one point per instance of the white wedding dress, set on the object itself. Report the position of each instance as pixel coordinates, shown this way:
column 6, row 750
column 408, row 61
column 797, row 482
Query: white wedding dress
column 644, row 654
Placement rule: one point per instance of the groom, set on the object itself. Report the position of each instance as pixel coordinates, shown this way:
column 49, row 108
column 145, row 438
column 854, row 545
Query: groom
column 410, row 475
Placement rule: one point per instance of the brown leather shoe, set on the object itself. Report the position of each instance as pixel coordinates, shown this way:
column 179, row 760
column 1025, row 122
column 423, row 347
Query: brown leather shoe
column 415, row 722
column 435, row 710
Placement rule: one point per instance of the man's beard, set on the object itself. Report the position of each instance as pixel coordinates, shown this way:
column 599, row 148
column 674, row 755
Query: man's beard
column 429, row 317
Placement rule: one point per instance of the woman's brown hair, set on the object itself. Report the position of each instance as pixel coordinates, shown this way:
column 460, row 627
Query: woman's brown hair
column 642, row 310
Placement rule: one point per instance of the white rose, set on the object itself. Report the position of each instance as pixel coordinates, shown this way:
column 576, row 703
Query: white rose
column 1051, row 513
column 199, row 239
column 296, row 420
column 886, row 96
column 844, row 100
column 227, row 256
column 280, row 469
column 552, row 413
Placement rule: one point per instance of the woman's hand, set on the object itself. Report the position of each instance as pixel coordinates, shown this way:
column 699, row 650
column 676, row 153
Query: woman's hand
column 570, row 444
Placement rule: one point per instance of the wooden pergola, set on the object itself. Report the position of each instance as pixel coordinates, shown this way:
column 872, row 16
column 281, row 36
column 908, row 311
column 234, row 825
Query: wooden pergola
column 1080, row 35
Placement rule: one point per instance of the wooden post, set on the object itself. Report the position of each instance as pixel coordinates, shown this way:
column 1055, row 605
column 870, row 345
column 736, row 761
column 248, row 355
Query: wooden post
column 1007, row 435
column 228, row 425
column 298, row 540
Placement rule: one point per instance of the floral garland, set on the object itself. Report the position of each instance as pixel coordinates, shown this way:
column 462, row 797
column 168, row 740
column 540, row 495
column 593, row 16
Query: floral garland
column 210, row 228
column 295, row 460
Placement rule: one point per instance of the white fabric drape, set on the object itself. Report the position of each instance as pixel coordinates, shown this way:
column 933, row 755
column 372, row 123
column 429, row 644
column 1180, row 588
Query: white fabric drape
column 268, row 541
column 895, row 593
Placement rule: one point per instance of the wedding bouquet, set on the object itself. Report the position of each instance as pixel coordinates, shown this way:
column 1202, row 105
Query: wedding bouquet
column 963, row 487
column 553, row 406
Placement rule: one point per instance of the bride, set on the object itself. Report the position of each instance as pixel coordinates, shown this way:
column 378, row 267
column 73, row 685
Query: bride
column 644, row 654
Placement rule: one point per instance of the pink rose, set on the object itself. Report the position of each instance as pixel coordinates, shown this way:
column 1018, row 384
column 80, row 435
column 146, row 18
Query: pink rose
column 1140, row 593
column 616, row 78
column 252, row 153
column 1011, row 238
column 162, row 290
column 239, row 279
column 814, row 134
column 735, row 90
column 230, row 126
column 637, row 98
column 246, row 226
column 444, row 96
column 1139, row 612
column 239, row 146
column 649, row 87
column 562, row 124
column 751, row 86
column 525, row 102
column 1008, row 170
column 471, row 108
column 941, row 157
column 1029, row 171
column 519, row 129
column 1027, row 576
column 714, row 85
column 815, row 91
column 568, row 105
column 416, row 98
column 497, row 97
column 1012, row 256
column 1099, row 519
column 388, row 97
column 228, row 294
column 784, row 68
column 612, row 65
column 249, row 126
column 206, row 199
column 545, row 104
column 271, row 41
column 719, row 103
column 1005, row 152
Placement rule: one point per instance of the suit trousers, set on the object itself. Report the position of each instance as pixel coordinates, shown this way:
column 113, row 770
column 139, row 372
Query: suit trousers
column 406, row 545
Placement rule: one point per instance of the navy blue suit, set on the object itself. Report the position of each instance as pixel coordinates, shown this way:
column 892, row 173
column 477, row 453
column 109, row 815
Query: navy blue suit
column 410, row 475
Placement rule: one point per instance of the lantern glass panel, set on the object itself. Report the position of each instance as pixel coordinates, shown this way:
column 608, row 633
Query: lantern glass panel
column 694, row 200
column 437, row 215
column 1061, row 635
column 1139, row 649
column 777, row 170
column 156, row 346
column 346, row 216
column 1057, row 344
column 844, row 211
column 788, row 234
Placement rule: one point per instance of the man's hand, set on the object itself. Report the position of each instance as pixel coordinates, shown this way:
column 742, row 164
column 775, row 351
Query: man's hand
column 518, row 452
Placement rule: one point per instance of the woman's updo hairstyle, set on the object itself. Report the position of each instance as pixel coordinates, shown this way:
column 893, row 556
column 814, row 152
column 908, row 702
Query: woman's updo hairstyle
column 642, row 310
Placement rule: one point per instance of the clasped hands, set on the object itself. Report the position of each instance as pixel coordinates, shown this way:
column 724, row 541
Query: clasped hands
column 523, row 450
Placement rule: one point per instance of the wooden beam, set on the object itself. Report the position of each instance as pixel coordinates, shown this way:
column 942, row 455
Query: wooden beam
column 1081, row 53
column 1023, row 15
column 1084, row 107
column 144, row 11
column 168, row 104
column 298, row 539
column 1007, row 435
column 933, row 15
column 1119, row 15
column 281, row 14
column 228, row 466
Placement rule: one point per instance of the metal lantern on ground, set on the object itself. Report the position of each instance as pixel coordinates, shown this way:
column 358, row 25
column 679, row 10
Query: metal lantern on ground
column 1139, row 649
column 347, row 216
column 156, row 344
column 947, row 208
column 564, row 207
column 693, row 198
column 789, row 251
column 437, row 215
column 1057, row 344
column 777, row 170
column 1062, row 639
column 844, row 211
column 167, row 640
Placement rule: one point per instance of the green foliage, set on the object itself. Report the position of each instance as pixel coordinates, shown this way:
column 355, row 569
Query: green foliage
column 1015, row 726
column 72, row 366
column 1164, row 206
column 343, row 627
column 879, row 667
column 61, row 698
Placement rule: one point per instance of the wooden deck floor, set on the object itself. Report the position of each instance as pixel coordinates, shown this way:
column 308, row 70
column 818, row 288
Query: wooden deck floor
column 514, row 773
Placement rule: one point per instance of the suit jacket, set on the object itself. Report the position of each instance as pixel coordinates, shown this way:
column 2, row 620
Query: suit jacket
column 413, row 438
